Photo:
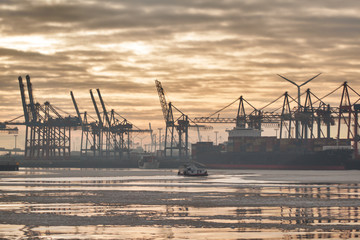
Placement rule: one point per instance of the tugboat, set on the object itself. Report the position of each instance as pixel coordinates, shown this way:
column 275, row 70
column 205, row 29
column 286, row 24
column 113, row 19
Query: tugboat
column 192, row 169
column 148, row 162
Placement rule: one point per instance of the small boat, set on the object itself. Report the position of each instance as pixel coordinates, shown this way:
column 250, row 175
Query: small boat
column 191, row 169
column 148, row 162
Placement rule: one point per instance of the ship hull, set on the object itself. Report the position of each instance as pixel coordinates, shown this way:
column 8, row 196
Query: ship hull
column 323, row 160
column 275, row 167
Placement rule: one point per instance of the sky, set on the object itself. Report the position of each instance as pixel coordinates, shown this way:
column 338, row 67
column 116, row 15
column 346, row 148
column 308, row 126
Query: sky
column 206, row 53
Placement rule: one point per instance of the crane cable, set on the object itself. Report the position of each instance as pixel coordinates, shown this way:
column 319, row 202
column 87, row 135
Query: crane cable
column 356, row 94
column 329, row 93
column 318, row 99
column 249, row 104
column 293, row 100
column 223, row 108
column 14, row 119
column 271, row 102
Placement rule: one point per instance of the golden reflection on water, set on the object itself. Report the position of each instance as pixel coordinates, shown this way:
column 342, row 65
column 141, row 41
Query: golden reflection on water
column 304, row 211
column 165, row 232
column 176, row 184
column 270, row 215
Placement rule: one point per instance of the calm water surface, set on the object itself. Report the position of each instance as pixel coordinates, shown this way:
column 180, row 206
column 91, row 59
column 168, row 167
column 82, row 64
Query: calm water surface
column 158, row 204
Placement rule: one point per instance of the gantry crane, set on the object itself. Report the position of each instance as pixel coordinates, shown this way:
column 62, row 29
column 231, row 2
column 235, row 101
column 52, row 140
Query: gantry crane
column 253, row 120
column 307, row 117
column 111, row 132
column 90, row 133
column 297, row 125
column 177, row 129
column 47, row 132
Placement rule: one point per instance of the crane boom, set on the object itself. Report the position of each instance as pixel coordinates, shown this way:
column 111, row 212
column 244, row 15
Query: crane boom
column 31, row 98
column 96, row 108
column 163, row 103
column 104, row 108
column 23, row 99
column 53, row 110
column 76, row 106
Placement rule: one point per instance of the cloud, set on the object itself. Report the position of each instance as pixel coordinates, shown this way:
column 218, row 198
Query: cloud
column 206, row 53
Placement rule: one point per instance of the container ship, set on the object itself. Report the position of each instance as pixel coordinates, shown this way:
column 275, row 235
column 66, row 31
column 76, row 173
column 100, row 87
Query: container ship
column 247, row 149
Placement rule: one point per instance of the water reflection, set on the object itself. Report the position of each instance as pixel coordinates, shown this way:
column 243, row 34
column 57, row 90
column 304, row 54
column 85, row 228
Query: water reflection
column 261, row 215
column 73, row 204
column 335, row 191
column 174, row 183
column 166, row 232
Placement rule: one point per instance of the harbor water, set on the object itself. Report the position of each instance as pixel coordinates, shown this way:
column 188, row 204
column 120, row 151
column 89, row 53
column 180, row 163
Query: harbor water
column 74, row 203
